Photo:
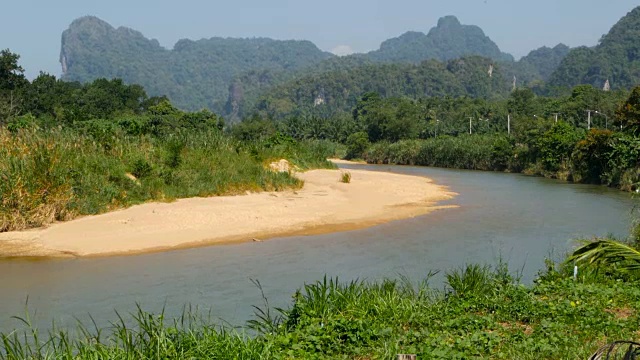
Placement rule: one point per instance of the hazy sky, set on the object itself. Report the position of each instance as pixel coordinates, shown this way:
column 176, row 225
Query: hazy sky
column 32, row 28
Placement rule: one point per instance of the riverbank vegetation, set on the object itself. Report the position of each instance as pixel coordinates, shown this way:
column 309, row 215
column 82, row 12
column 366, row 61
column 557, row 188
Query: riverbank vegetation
column 587, row 136
column 57, row 174
column 68, row 149
column 481, row 312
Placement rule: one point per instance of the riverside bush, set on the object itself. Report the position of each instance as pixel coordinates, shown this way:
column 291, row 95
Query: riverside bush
column 357, row 143
column 597, row 156
column 474, row 152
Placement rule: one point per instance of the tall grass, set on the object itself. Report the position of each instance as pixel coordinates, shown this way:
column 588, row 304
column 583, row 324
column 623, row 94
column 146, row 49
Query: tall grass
column 476, row 153
column 58, row 174
column 150, row 336
column 482, row 313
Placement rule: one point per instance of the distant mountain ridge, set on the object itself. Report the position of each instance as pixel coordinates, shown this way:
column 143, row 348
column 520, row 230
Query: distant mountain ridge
column 544, row 61
column 223, row 73
column 235, row 77
column 448, row 40
column 616, row 58
column 615, row 61
column 194, row 74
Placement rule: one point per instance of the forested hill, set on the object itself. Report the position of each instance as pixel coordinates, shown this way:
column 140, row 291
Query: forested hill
column 235, row 77
column 339, row 91
column 194, row 74
column 547, row 70
column 311, row 84
column 448, row 40
column 616, row 58
column 544, row 61
column 228, row 75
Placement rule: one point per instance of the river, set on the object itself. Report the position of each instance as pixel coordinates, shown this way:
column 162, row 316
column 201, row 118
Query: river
column 514, row 217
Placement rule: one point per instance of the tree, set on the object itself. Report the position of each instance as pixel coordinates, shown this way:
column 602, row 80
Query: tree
column 521, row 102
column 628, row 115
column 357, row 144
column 253, row 129
column 41, row 97
column 11, row 79
column 11, row 74
column 554, row 147
column 591, row 156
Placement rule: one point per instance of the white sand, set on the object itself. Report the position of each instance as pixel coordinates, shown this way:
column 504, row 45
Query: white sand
column 323, row 205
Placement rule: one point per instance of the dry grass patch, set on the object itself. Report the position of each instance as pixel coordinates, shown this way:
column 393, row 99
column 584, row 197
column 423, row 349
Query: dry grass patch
column 621, row 313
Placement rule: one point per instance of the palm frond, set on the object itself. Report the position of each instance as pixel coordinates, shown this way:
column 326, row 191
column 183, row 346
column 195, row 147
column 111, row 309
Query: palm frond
column 603, row 253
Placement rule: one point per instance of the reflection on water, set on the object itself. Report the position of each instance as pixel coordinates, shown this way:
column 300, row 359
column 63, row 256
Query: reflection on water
column 520, row 219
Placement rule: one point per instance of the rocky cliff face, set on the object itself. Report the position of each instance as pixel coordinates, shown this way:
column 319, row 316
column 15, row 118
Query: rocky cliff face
column 448, row 40
column 194, row 74
column 91, row 48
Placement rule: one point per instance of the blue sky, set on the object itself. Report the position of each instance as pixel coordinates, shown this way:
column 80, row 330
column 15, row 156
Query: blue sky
column 32, row 28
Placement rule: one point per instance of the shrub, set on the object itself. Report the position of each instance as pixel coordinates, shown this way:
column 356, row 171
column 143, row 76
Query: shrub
column 377, row 153
column 34, row 190
column 590, row 158
column 554, row 147
column 472, row 280
column 501, row 153
column 357, row 144
column 21, row 122
column 174, row 152
column 141, row 169
column 473, row 152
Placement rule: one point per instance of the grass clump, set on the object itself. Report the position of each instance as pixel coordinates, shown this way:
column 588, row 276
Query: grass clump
column 345, row 177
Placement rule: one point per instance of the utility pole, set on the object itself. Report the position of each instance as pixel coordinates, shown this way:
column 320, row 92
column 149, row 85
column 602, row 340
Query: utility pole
column 606, row 119
column 509, row 123
column 470, row 118
column 589, row 119
column 556, row 116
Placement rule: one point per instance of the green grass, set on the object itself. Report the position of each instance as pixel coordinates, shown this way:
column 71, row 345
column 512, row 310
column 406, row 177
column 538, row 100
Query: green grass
column 483, row 313
column 59, row 174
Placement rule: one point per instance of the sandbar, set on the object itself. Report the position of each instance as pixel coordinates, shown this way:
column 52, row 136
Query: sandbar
column 324, row 204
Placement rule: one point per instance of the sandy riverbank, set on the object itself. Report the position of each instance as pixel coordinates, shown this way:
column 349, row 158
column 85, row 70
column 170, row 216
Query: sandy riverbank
column 323, row 205
column 347, row 162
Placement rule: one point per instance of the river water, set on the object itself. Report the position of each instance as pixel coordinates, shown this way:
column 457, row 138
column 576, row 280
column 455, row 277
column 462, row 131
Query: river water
column 517, row 218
